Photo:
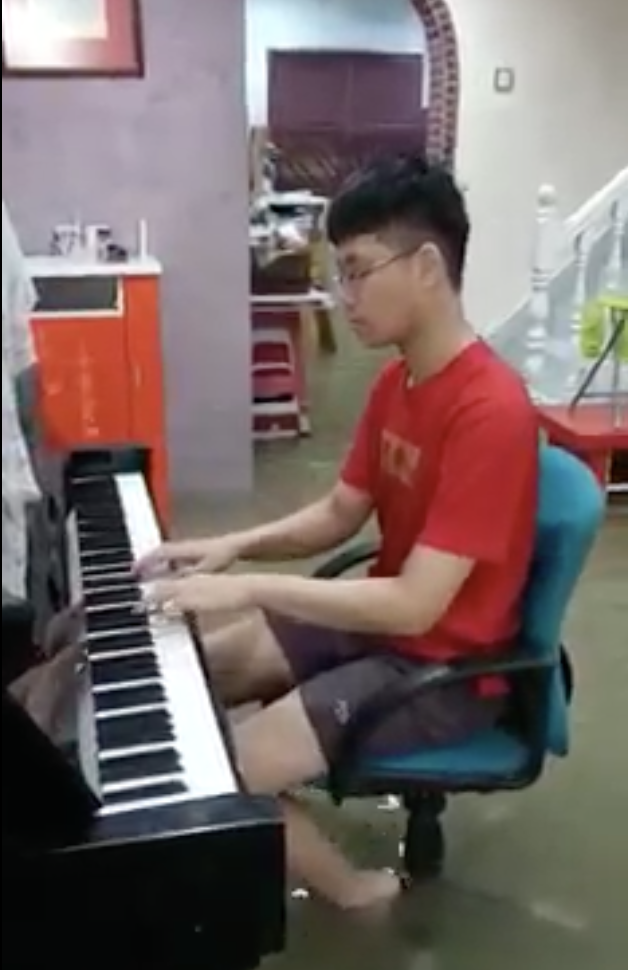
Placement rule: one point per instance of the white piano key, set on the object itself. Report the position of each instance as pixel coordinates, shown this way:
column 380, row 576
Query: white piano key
column 114, row 632
column 113, row 754
column 127, row 685
column 113, row 787
column 139, row 516
column 144, row 804
column 198, row 738
column 101, row 553
column 207, row 769
column 116, row 712
column 105, row 655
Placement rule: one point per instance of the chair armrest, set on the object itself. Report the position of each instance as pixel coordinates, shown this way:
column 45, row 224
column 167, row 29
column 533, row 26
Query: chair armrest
column 435, row 676
column 348, row 559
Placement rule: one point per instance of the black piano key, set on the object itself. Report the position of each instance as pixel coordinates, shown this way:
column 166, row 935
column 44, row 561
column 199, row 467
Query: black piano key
column 95, row 525
column 123, row 612
column 117, row 567
column 99, row 541
column 99, row 578
column 99, row 517
column 131, row 639
column 130, row 730
column 149, row 764
column 145, row 792
column 110, row 582
column 101, row 521
column 86, row 504
column 94, row 485
column 118, row 700
column 102, row 528
column 113, row 620
column 113, row 597
column 108, row 577
column 102, row 559
column 90, row 545
column 118, row 670
column 87, row 500
column 126, row 630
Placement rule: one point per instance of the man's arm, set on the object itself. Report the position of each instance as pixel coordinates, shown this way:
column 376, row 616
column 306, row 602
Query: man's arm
column 406, row 605
column 315, row 529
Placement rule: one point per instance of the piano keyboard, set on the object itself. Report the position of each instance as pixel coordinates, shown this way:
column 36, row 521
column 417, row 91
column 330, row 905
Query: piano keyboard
column 148, row 730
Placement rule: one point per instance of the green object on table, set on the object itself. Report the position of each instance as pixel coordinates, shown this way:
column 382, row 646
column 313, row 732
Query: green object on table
column 593, row 330
column 599, row 319
column 622, row 346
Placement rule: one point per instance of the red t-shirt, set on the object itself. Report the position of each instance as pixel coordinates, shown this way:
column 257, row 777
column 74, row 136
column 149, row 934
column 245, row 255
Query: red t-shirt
column 452, row 463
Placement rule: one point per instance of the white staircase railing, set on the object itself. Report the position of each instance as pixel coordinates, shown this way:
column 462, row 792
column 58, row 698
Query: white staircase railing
column 575, row 260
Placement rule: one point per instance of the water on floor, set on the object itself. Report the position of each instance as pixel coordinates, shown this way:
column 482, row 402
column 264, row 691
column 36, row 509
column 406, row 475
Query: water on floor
column 533, row 880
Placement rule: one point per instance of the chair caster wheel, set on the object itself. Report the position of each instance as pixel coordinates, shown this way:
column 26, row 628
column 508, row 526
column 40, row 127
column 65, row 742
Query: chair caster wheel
column 424, row 848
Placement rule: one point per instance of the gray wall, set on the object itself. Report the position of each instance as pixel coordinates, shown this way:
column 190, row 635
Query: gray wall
column 170, row 148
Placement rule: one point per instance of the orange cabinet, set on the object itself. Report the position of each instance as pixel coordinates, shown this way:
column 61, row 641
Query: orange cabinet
column 97, row 333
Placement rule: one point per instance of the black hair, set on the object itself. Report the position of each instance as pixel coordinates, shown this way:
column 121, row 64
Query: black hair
column 409, row 198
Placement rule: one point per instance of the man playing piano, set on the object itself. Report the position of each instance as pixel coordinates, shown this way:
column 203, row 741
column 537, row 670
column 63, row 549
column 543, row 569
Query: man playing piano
column 445, row 457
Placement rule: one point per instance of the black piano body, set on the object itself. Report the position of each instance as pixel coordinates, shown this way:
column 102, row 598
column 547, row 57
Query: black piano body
column 97, row 879
column 194, row 888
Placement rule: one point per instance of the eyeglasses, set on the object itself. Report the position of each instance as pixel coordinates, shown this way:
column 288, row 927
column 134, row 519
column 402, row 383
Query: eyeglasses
column 352, row 279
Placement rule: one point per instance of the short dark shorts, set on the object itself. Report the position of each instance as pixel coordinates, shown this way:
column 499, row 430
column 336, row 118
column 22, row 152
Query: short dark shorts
column 337, row 673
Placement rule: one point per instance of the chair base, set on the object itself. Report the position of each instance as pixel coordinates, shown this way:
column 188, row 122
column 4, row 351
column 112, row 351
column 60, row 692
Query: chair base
column 424, row 845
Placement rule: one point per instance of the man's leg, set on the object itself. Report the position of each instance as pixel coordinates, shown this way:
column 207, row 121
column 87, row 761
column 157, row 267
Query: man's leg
column 277, row 751
column 261, row 657
column 294, row 740
column 246, row 663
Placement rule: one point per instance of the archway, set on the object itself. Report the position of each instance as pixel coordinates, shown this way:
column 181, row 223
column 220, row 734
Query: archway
column 442, row 44
column 319, row 155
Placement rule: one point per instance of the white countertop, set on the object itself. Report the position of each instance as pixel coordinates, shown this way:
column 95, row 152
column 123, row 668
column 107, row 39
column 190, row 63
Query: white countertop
column 291, row 200
column 48, row 266
column 315, row 298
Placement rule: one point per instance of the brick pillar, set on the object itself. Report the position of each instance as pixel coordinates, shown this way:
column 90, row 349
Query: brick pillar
column 444, row 62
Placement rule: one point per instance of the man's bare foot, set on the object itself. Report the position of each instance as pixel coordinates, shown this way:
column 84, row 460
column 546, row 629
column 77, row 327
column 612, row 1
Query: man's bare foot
column 373, row 890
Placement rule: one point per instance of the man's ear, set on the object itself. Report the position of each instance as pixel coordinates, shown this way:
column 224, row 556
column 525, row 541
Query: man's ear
column 431, row 264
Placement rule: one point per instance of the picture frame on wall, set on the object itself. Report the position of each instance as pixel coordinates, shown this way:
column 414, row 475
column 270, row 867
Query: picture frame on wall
column 72, row 38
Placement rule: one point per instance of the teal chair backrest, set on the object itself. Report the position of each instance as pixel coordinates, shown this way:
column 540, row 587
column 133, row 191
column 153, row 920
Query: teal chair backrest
column 571, row 510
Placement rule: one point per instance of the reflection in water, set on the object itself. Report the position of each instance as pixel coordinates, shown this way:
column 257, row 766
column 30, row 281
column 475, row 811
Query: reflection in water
column 442, row 927
column 453, row 924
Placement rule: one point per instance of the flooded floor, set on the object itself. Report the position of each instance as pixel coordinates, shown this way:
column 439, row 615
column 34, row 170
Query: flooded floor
column 534, row 881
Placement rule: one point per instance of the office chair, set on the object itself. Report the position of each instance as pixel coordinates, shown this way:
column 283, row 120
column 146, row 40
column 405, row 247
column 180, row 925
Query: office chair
column 512, row 755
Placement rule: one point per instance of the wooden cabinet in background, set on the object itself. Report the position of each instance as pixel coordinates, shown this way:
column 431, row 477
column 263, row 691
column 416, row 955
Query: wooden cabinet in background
column 97, row 332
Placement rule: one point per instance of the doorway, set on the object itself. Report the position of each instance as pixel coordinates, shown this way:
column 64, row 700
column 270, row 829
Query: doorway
column 331, row 111
column 301, row 48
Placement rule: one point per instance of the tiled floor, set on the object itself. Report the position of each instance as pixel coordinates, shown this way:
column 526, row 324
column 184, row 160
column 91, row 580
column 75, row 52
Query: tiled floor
column 536, row 880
